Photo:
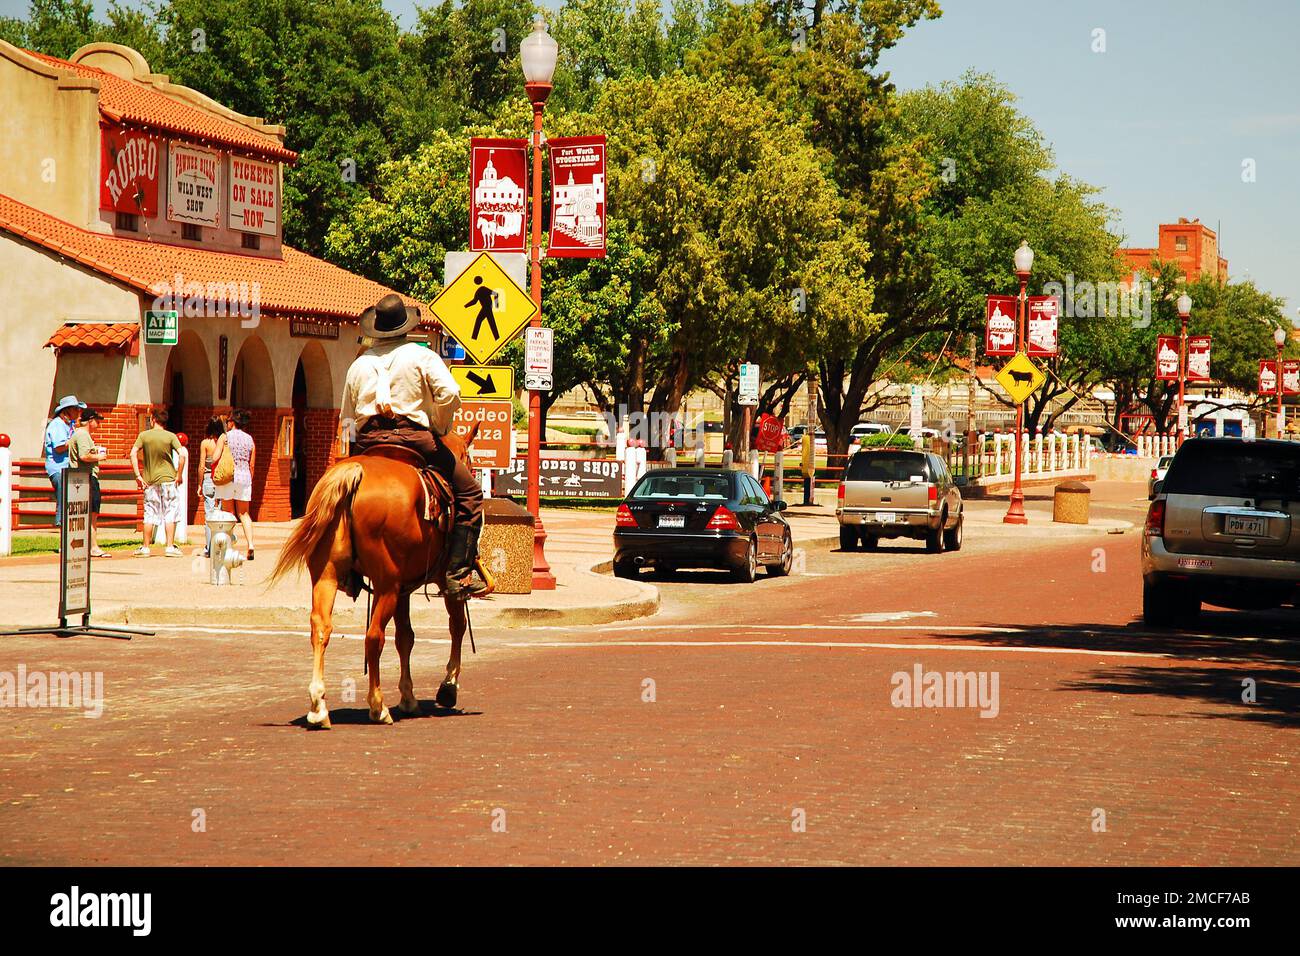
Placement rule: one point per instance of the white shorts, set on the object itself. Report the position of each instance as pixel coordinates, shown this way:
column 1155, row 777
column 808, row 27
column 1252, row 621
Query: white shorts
column 162, row 504
column 235, row 491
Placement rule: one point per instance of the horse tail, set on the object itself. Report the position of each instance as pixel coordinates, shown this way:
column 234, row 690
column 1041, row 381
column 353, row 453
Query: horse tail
column 329, row 500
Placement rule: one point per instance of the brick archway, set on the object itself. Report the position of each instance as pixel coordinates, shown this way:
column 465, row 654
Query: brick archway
column 252, row 388
column 315, row 422
column 188, row 394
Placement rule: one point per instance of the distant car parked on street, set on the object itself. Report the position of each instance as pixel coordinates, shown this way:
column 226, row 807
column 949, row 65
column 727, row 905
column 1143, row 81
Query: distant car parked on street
column 1158, row 474
column 868, row 428
column 1223, row 529
column 896, row 493
column 701, row 518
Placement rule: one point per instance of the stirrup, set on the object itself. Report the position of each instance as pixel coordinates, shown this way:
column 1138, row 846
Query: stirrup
column 464, row 588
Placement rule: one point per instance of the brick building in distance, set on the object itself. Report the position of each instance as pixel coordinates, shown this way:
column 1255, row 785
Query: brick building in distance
column 1187, row 242
column 124, row 197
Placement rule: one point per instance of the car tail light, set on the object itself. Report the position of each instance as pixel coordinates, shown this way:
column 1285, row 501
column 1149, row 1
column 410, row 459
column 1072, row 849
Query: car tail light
column 1156, row 519
column 839, row 495
column 1155, row 472
column 723, row 520
column 624, row 518
column 934, row 493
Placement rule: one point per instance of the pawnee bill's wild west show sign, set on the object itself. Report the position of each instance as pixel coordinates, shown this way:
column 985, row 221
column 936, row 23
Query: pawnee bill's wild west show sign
column 577, row 197
column 193, row 186
column 498, row 204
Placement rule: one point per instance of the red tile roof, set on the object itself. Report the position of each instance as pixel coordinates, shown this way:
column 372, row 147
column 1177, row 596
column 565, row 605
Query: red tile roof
column 139, row 104
column 297, row 284
column 94, row 337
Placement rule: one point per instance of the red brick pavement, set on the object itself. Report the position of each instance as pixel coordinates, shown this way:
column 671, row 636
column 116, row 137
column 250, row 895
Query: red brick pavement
column 737, row 740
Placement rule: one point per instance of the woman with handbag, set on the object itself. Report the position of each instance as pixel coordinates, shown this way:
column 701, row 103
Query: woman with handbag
column 238, row 490
column 218, row 470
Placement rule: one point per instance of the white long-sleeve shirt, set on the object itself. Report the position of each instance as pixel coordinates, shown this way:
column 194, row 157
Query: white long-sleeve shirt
column 404, row 380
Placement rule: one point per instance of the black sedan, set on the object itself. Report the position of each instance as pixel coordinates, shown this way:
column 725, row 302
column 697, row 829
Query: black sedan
column 701, row 517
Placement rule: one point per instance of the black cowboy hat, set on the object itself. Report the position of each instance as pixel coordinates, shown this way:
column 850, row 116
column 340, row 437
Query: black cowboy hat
column 389, row 318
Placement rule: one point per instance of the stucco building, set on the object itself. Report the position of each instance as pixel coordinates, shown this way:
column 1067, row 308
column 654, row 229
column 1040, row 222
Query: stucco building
column 123, row 198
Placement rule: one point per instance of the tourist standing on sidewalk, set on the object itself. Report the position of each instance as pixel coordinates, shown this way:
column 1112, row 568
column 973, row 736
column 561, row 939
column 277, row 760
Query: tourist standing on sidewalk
column 84, row 453
column 160, row 481
column 214, row 441
column 240, row 491
column 57, row 433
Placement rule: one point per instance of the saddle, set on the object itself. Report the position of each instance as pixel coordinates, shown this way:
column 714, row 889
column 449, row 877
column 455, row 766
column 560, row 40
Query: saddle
column 438, row 496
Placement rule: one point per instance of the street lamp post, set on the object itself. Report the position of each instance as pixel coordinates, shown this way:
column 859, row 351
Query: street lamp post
column 1184, row 311
column 1024, row 262
column 537, row 54
column 1279, row 339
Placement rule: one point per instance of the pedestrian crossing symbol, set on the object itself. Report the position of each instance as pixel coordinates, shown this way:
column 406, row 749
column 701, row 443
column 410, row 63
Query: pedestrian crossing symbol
column 483, row 309
column 1021, row 378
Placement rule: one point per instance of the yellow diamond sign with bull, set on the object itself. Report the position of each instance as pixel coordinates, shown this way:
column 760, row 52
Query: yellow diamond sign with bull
column 483, row 309
column 1021, row 378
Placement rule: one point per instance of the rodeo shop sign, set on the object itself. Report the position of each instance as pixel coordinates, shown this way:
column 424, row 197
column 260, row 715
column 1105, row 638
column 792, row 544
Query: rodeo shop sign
column 564, row 478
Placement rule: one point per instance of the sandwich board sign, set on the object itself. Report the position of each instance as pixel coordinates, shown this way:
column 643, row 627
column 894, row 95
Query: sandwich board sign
column 483, row 308
column 161, row 328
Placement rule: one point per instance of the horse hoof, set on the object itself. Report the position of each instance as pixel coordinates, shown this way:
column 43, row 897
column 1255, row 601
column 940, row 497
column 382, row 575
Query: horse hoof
column 384, row 717
column 318, row 721
column 446, row 695
column 409, row 706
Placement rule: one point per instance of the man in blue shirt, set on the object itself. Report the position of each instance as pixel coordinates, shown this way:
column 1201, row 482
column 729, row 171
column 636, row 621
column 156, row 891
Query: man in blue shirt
column 57, row 433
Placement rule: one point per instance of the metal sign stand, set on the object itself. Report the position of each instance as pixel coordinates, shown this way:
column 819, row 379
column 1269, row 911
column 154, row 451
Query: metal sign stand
column 76, row 508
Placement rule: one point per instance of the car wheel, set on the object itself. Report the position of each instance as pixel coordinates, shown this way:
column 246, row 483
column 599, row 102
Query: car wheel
column 952, row 537
column 747, row 573
column 870, row 542
column 935, row 540
column 626, row 569
column 848, row 538
column 782, row 567
column 1168, row 605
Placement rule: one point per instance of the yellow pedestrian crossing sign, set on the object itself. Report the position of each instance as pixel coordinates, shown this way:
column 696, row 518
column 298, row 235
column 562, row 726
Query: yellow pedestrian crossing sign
column 1021, row 377
column 485, row 381
column 483, row 309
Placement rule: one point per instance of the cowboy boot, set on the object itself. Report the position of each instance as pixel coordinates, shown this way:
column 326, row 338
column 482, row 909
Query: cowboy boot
column 461, row 582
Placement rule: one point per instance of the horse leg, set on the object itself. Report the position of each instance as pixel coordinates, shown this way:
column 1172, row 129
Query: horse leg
column 385, row 604
column 457, row 621
column 322, row 612
column 409, row 704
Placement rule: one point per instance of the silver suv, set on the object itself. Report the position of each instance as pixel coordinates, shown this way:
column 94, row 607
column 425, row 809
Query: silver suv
column 1223, row 529
column 896, row 493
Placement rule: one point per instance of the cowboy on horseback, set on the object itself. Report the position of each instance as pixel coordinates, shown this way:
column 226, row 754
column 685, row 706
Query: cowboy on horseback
column 399, row 392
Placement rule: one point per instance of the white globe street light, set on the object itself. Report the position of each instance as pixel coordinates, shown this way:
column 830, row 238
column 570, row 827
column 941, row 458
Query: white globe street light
column 1184, row 305
column 1024, row 259
column 538, row 53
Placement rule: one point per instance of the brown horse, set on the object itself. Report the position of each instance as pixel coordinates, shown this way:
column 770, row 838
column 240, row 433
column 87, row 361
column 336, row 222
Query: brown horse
column 366, row 514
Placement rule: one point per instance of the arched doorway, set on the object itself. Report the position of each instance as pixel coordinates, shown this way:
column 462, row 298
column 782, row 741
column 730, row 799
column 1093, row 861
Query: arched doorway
column 187, row 393
column 252, row 389
column 315, row 423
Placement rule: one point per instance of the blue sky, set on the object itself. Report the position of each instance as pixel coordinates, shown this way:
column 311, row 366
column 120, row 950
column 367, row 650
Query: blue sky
column 1162, row 120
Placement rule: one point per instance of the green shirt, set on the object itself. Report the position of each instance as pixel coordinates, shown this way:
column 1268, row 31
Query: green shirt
column 157, row 445
column 81, row 444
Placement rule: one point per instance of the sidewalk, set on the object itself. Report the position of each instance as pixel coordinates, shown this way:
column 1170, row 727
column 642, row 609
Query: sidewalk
column 160, row 590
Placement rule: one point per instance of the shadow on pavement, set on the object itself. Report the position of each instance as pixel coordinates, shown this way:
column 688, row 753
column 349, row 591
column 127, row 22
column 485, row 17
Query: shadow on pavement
column 361, row 715
column 1268, row 642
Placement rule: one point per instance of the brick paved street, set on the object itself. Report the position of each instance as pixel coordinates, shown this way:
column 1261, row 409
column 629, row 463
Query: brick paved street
column 769, row 699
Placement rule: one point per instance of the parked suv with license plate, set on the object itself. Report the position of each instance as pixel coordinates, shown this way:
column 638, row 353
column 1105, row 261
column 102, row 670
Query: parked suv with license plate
column 1223, row 529
column 896, row 493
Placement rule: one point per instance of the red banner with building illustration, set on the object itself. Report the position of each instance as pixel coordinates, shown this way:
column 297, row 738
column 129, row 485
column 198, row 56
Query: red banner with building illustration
column 577, row 197
column 1290, row 376
column 1167, row 359
column 130, row 163
column 1000, row 325
column 498, row 199
column 1198, row 358
column 1041, row 330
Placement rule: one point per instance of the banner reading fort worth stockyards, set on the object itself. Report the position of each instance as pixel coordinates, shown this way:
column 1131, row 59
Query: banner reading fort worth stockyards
column 498, row 198
column 577, row 197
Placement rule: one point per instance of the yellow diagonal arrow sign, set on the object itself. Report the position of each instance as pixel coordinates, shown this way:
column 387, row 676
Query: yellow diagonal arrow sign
column 485, row 381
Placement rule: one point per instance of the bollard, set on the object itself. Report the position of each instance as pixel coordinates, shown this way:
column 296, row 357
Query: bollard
column 222, row 556
column 1070, row 503
column 6, row 497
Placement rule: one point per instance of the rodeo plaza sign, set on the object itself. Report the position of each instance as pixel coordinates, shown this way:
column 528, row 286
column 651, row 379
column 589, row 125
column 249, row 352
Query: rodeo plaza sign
column 563, row 478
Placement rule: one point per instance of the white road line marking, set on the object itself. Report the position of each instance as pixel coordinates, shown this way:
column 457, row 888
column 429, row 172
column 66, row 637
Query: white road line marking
column 843, row 644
